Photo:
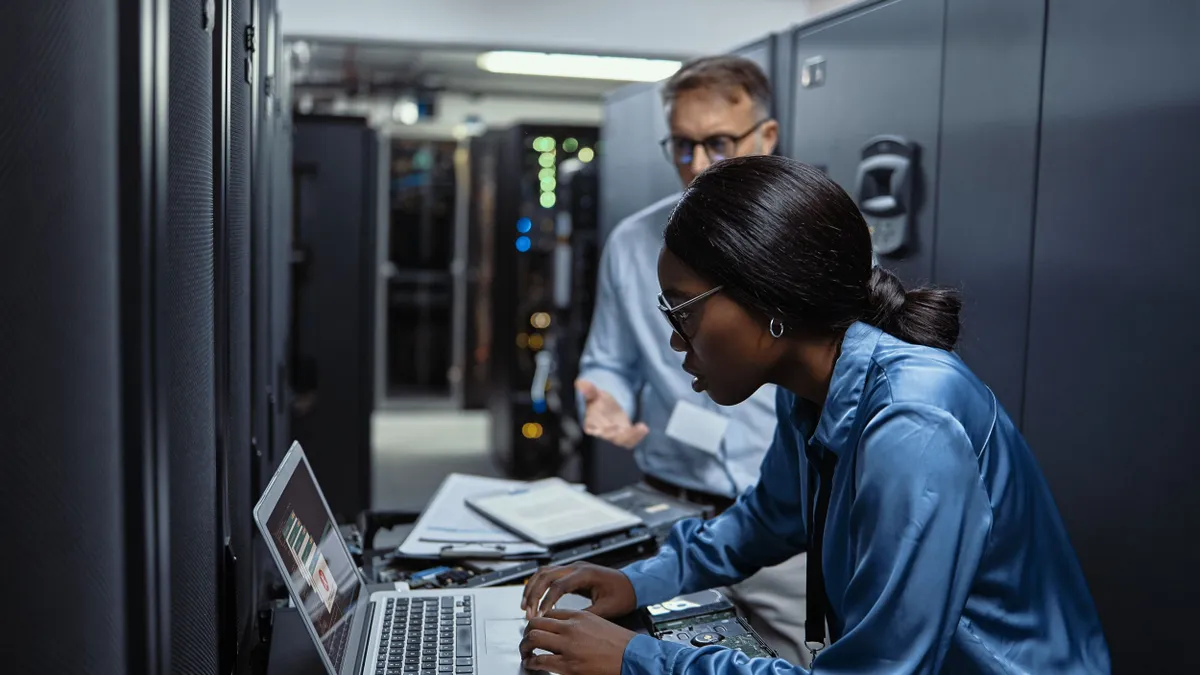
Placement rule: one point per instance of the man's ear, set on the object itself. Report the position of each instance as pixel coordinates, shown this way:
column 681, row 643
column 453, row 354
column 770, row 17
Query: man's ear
column 769, row 133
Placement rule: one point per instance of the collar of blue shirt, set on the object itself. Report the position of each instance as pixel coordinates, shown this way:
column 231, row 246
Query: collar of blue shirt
column 838, row 416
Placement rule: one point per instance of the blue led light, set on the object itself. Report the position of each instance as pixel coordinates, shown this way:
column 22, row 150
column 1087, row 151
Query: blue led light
column 539, row 406
column 524, row 225
column 523, row 244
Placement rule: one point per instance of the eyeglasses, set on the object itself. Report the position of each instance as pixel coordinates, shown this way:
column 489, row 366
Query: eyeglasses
column 678, row 315
column 682, row 151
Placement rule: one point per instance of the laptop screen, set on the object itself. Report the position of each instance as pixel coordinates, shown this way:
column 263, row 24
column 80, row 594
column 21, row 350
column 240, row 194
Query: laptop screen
column 319, row 569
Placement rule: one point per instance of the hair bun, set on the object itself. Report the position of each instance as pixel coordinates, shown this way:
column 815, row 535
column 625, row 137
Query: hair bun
column 885, row 297
column 923, row 316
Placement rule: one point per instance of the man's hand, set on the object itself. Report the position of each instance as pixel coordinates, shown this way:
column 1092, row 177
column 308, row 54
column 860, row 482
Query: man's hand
column 605, row 419
column 579, row 643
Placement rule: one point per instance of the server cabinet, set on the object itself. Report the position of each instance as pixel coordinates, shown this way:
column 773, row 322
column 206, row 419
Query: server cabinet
column 990, row 112
column 525, row 164
column 185, row 304
column 61, row 500
column 633, row 171
column 234, row 76
column 335, row 164
column 1110, row 386
column 869, row 73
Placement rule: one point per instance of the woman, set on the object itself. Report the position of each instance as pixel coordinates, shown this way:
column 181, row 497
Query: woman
column 940, row 549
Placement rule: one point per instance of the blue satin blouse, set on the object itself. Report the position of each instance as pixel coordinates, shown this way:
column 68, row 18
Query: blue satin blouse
column 943, row 550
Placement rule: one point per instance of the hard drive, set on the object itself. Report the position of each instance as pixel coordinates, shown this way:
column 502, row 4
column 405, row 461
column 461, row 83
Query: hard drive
column 705, row 619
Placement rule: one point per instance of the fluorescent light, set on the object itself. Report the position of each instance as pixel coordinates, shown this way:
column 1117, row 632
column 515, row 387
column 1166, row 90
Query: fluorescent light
column 616, row 68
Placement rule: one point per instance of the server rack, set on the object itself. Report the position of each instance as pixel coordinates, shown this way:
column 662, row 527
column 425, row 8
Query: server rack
column 336, row 220
column 520, row 171
column 234, row 42
column 419, row 288
column 61, row 400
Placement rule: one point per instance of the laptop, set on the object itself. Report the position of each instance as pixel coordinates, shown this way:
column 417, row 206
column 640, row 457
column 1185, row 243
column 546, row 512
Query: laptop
column 376, row 630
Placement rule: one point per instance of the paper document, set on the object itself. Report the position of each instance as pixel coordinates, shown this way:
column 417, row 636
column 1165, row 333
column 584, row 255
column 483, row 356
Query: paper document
column 449, row 528
column 552, row 512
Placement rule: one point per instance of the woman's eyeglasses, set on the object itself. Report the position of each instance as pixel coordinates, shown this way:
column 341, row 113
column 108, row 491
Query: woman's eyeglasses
column 682, row 151
column 678, row 315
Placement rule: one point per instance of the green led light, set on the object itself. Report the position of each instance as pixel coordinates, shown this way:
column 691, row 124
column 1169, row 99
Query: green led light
column 546, row 173
column 586, row 155
column 548, row 199
column 570, row 145
column 546, row 160
column 537, row 143
column 548, row 184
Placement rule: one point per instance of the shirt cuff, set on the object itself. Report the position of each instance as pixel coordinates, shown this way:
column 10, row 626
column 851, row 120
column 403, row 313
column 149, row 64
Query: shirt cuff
column 646, row 656
column 647, row 589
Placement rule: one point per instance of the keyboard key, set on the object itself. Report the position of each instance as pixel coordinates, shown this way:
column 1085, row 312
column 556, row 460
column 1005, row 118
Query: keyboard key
column 463, row 648
column 463, row 670
column 464, row 662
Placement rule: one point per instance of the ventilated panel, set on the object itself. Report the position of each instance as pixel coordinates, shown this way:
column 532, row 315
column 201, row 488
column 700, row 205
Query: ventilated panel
column 60, row 484
column 186, row 320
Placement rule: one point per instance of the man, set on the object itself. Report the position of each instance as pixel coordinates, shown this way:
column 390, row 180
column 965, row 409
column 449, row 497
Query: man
column 716, row 108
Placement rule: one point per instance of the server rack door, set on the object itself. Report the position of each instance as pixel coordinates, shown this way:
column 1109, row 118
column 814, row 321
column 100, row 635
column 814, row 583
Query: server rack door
column 333, row 339
column 990, row 107
column 527, row 438
column 233, row 48
column 60, row 388
column 283, row 228
column 875, row 71
column 186, row 309
column 634, row 173
column 1110, row 390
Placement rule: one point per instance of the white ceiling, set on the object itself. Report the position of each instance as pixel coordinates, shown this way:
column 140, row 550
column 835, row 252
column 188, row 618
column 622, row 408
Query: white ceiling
column 673, row 28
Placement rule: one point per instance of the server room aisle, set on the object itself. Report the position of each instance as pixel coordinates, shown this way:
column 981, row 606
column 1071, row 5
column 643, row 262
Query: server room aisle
column 415, row 449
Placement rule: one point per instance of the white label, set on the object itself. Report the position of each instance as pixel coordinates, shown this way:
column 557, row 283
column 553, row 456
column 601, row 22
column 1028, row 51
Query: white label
column 697, row 427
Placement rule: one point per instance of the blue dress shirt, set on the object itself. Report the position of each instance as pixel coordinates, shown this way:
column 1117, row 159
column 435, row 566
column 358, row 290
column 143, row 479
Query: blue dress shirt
column 943, row 551
column 629, row 355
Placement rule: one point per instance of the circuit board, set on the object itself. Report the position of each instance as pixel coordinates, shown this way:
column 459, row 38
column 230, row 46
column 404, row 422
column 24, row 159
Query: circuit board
column 723, row 629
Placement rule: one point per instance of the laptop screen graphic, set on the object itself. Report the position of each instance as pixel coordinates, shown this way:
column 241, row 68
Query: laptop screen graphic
column 320, row 572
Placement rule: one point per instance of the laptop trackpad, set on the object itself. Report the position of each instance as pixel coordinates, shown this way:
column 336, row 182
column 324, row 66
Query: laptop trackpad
column 503, row 636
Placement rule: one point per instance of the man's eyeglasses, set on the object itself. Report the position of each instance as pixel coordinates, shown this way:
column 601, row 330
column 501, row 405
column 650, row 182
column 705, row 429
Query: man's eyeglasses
column 678, row 315
column 682, row 151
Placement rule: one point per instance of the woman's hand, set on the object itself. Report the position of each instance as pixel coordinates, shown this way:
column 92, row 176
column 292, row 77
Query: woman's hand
column 579, row 643
column 610, row 591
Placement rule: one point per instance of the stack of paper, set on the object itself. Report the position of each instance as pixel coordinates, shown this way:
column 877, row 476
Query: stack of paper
column 553, row 513
column 449, row 528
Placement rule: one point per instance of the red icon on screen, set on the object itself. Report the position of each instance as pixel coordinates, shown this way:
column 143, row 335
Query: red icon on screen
column 324, row 581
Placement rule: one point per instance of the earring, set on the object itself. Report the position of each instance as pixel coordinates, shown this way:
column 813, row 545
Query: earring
column 776, row 329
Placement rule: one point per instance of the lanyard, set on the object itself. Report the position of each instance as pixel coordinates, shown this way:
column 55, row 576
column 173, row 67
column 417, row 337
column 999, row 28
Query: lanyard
column 818, row 601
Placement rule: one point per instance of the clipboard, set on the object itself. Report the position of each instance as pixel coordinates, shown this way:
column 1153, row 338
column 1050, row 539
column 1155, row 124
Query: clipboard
column 552, row 513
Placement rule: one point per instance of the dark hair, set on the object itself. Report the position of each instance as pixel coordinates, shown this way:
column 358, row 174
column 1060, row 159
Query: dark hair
column 732, row 76
column 788, row 242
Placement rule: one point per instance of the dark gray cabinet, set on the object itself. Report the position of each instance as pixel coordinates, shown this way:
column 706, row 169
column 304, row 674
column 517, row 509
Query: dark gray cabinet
column 990, row 109
column 880, row 72
column 1115, row 309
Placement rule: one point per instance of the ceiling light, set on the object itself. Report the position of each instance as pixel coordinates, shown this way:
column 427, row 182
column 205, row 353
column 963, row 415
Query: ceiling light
column 616, row 68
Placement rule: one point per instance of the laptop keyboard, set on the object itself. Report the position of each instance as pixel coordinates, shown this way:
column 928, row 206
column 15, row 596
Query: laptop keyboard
column 427, row 636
